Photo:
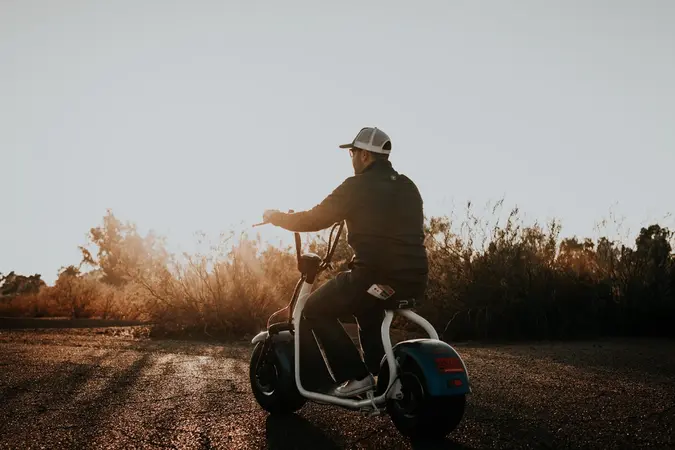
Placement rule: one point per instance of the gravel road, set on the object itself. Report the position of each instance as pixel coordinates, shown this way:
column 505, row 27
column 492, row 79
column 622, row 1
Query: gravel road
column 111, row 388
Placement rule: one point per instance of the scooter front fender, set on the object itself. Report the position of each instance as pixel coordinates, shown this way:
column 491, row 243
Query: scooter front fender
column 281, row 346
column 260, row 337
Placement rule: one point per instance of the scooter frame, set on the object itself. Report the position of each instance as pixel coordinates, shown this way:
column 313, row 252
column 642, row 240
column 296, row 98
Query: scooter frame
column 372, row 403
column 393, row 388
column 388, row 351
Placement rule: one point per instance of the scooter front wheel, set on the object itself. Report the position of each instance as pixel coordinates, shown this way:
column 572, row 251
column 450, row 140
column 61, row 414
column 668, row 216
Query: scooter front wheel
column 418, row 414
column 269, row 389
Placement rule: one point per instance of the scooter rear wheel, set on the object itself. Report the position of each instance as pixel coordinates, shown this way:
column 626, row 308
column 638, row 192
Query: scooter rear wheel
column 418, row 414
column 273, row 395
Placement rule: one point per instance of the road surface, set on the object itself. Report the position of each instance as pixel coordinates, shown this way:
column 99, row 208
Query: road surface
column 113, row 388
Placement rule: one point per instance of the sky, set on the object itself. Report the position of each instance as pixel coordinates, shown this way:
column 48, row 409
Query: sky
column 197, row 116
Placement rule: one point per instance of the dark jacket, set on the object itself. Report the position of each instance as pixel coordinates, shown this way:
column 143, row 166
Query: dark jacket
column 383, row 211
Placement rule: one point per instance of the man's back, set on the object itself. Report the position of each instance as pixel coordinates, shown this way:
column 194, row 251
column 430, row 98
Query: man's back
column 385, row 223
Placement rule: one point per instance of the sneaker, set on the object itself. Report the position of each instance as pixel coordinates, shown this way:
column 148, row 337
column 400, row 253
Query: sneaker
column 355, row 387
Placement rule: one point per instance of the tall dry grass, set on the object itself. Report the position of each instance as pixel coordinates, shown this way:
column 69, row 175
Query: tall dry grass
column 490, row 278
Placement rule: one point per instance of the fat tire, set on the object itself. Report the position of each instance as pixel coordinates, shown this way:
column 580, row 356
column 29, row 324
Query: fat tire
column 436, row 416
column 279, row 401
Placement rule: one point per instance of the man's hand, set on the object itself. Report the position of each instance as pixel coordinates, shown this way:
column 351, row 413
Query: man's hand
column 270, row 214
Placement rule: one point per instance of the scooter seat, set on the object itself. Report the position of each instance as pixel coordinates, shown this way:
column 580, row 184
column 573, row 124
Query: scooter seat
column 399, row 303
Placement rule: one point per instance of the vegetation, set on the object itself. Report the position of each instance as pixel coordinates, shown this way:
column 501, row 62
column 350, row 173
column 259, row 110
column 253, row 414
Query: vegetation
column 499, row 281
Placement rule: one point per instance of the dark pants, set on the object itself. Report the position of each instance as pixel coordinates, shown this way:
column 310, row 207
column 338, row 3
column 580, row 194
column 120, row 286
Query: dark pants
column 343, row 296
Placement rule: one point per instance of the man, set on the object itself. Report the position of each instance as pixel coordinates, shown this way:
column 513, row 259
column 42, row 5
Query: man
column 385, row 222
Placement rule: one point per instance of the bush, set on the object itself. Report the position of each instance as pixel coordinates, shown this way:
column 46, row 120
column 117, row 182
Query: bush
column 526, row 283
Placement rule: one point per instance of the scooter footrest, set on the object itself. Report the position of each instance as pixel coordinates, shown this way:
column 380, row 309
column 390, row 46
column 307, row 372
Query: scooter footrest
column 370, row 412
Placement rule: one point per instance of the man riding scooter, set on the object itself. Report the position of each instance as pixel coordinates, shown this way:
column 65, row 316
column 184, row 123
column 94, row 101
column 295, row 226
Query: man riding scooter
column 383, row 211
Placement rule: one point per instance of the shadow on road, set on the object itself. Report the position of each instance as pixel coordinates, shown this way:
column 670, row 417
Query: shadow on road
column 59, row 383
column 28, row 323
column 293, row 432
column 437, row 444
column 67, row 398
column 651, row 356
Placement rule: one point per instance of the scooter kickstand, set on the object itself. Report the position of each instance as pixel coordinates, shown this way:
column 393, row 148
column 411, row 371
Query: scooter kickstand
column 373, row 410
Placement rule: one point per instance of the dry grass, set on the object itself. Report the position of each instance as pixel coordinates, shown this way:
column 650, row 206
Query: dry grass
column 488, row 280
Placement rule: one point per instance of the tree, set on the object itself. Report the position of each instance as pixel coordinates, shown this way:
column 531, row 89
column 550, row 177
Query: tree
column 74, row 294
column 108, row 238
column 122, row 252
column 13, row 284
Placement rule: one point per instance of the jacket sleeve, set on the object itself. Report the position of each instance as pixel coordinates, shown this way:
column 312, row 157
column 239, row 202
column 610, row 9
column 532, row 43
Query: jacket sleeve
column 334, row 208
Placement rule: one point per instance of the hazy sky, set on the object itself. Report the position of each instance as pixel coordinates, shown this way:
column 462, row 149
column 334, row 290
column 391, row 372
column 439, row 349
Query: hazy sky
column 198, row 115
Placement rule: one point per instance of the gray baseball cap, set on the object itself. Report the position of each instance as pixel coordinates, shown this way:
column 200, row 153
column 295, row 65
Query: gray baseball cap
column 372, row 139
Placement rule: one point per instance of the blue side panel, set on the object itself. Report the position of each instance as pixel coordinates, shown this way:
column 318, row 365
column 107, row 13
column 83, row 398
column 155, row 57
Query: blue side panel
column 424, row 352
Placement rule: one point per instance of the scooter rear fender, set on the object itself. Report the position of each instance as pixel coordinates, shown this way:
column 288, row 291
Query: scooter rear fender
column 443, row 368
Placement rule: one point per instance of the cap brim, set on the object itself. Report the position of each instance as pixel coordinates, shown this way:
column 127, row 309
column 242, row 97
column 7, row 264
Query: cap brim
column 350, row 145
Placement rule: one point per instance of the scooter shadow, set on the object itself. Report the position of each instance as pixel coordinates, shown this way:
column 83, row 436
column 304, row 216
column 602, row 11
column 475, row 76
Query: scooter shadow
column 291, row 431
column 294, row 432
column 437, row 444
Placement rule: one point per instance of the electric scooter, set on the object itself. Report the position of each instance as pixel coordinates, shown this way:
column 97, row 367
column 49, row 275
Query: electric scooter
column 422, row 384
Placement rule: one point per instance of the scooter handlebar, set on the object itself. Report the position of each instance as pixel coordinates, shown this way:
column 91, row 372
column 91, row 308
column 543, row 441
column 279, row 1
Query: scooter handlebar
column 298, row 246
column 298, row 243
column 290, row 211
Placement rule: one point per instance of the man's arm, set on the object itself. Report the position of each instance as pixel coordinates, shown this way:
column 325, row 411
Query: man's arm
column 332, row 209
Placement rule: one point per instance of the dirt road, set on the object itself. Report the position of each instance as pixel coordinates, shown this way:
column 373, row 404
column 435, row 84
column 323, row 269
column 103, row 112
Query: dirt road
column 106, row 388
